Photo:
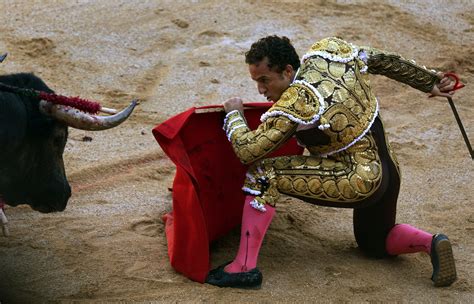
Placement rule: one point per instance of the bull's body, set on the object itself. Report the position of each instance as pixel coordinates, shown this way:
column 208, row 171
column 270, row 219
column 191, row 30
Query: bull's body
column 31, row 147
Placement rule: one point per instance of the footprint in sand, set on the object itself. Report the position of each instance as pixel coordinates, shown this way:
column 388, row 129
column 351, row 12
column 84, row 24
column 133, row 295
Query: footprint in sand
column 35, row 47
column 180, row 23
column 147, row 227
column 211, row 33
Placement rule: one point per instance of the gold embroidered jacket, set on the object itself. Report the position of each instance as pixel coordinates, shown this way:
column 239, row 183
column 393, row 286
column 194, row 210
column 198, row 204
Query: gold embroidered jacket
column 331, row 96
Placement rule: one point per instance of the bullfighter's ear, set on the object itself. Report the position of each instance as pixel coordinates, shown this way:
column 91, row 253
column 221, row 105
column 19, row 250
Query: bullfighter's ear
column 2, row 57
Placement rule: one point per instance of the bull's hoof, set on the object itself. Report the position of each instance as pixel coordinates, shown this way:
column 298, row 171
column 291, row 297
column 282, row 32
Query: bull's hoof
column 4, row 223
column 5, row 230
column 444, row 268
column 247, row 280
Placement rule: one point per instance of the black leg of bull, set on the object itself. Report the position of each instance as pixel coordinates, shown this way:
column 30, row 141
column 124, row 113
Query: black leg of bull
column 3, row 220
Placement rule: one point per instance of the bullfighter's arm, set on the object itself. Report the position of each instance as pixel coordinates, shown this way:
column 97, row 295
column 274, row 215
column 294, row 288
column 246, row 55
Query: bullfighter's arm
column 297, row 105
column 249, row 145
column 398, row 68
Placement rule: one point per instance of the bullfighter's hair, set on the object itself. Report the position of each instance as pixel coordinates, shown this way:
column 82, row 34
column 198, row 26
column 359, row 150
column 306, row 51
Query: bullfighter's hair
column 279, row 51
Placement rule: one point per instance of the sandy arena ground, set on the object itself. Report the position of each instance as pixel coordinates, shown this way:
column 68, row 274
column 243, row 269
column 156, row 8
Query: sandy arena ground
column 109, row 244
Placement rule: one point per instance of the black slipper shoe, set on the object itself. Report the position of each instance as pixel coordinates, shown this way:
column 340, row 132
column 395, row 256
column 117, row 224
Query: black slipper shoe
column 444, row 268
column 248, row 280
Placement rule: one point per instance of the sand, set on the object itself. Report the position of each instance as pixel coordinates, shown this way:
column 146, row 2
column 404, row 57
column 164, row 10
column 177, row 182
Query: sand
column 109, row 244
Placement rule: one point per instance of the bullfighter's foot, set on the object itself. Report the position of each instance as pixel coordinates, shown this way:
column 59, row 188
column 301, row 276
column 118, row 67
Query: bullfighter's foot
column 247, row 280
column 444, row 268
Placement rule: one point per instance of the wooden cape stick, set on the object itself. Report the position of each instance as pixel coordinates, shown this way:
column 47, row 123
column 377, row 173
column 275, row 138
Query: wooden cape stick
column 219, row 109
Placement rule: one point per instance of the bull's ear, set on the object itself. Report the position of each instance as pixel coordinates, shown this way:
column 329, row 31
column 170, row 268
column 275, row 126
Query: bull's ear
column 2, row 57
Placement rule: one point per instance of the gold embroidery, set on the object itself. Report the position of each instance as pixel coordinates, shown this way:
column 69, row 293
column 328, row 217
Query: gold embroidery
column 333, row 46
column 298, row 101
column 250, row 146
column 396, row 67
column 350, row 105
column 343, row 179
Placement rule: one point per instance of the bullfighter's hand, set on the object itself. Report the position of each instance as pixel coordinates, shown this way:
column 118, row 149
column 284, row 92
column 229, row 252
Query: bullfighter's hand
column 234, row 103
column 445, row 86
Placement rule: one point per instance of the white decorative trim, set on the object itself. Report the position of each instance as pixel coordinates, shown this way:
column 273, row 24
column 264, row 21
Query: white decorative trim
column 257, row 205
column 296, row 74
column 331, row 57
column 267, row 115
column 315, row 118
column 251, row 191
column 250, row 177
column 363, row 56
column 227, row 116
column 315, row 92
column 235, row 119
column 323, row 127
column 360, row 136
column 229, row 134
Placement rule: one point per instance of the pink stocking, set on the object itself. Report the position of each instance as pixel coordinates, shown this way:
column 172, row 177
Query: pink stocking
column 254, row 226
column 404, row 238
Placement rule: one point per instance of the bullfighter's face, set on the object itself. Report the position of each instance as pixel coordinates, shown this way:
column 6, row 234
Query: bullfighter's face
column 271, row 83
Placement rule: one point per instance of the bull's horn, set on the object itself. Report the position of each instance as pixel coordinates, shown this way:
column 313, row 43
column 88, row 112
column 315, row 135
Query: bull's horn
column 2, row 57
column 80, row 120
column 108, row 110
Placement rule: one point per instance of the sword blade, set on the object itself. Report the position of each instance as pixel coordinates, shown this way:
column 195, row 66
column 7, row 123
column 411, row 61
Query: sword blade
column 461, row 127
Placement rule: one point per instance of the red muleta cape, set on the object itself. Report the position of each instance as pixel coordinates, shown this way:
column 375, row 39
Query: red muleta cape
column 207, row 195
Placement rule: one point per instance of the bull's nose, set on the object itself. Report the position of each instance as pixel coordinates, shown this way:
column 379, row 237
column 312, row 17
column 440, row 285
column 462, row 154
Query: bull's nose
column 56, row 199
column 66, row 195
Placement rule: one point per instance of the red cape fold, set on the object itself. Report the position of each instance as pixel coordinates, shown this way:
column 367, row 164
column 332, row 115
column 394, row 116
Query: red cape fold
column 207, row 195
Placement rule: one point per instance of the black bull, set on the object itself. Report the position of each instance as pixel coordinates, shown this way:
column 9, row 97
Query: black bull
column 33, row 135
column 31, row 150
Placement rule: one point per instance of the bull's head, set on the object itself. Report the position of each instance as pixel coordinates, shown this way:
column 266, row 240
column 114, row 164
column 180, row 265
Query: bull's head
column 32, row 139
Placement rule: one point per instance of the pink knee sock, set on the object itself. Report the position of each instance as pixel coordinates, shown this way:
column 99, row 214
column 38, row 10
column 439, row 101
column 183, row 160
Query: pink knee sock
column 254, row 226
column 404, row 238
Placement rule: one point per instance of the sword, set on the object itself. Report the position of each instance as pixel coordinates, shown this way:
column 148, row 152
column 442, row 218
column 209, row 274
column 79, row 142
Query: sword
column 458, row 85
column 461, row 127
